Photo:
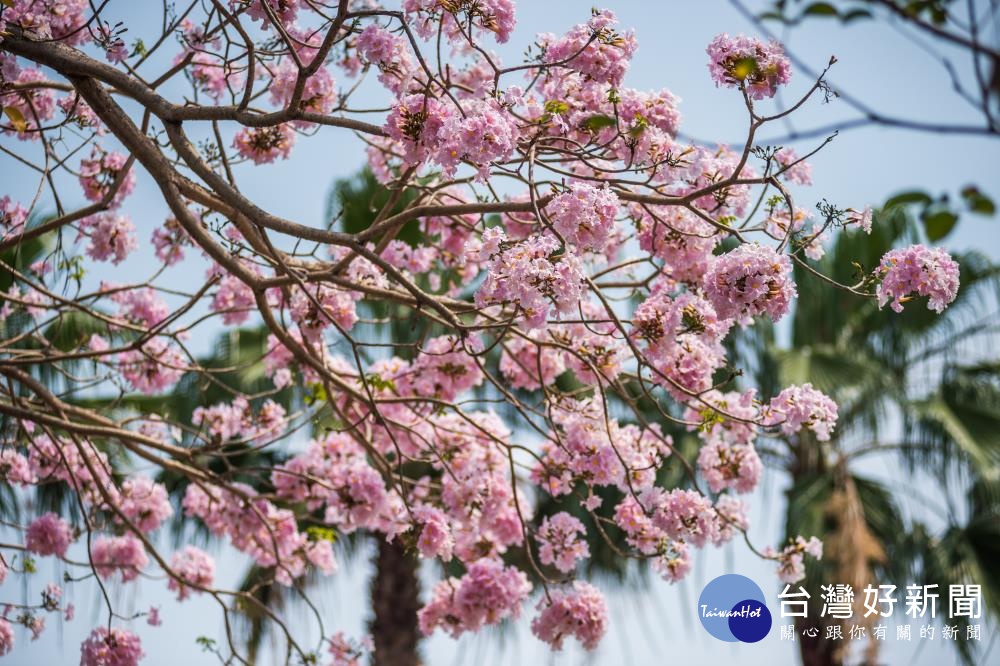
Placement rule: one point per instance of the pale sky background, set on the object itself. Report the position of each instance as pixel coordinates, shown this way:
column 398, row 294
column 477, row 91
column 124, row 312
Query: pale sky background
column 651, row 622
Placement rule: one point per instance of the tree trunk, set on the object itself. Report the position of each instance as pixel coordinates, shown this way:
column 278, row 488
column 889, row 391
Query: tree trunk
column 395, row 592
column 818, row 650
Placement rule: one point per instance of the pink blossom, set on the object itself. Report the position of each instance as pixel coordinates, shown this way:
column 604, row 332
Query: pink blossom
column 144, row 502
column 35, row 105
column 915, row 271
column 735, row 61
column 14, row 468
column 585, row 215
column 526, row 273
column 319, row 95
column 750, row 280
column 99, row 172
column 152, row 368
column 62, row 20
column 487, row 16
column 605, row 59
column 435, row 538
column 791, row 559
column 487, row 133
column 284, row 10
column 561, row 541
column 194, row 567
column 233, row 298
column 80, row 114
column 48, row 535
column 580, row 612
column 211, row 73
column 725, row 465
column 389, row 53
column 683, row 514
column 141, row 306
column 677, row 236
column 6, row 637
column 344, row 652
column 125, row 555
column 263, row 145
column 523, row 357
column 169, row 241
column 445, row 368
column 117, row 647
column 110, row 236
column 488, row 593
column 12, row 217
column 795, row 170
column 798, row 407
column 153, row 618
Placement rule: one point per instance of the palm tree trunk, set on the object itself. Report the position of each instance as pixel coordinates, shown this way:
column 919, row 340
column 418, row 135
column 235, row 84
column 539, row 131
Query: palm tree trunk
column 395, row 592
column 818, row 650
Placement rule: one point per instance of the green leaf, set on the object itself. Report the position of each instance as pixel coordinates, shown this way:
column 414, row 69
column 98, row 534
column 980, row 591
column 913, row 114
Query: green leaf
column 854, row 15
column 597, row 123
column 977, row 201
column 820, row 9
column 556, row 107
column 16, row 118
column 906, row 198
column 939, row 224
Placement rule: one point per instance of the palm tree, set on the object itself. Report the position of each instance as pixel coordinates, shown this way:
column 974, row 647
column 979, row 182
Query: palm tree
column 917, row 391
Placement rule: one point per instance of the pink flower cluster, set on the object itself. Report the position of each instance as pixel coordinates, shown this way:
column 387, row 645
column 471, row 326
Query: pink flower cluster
column 144, row 502
column 390, row 54
column 168, row 242
column 528, row 365
column 798, row 407
column 679, row 237
column 12, row 217
column 227, row 421
column 791, row 559
column 444, row 369
column 110, row 236
column 584, row 216
column 152, row 368
column 919, row 270
column 795, row 169
column 319, row 94
column 598, row 451
column 487, row 16
column 6, row 637
column 125, row 555
column 561, row 541
column 745, row 61
column 750, row 280
column 487, row 594
column 48, row 535
column 117, row 647
column 61, row 19
column 263, row 145
column 194, row 567
column 35, row 105
column 579, row 611
column 98, row 175
column 257, row 527
column 430, row 131
column 529, row 275
column 594, row 49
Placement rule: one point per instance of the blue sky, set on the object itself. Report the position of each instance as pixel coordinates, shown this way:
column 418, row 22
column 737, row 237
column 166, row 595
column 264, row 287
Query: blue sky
column 652, row 622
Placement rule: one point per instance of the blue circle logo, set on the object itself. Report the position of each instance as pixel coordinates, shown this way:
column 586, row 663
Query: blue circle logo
column 732, row 609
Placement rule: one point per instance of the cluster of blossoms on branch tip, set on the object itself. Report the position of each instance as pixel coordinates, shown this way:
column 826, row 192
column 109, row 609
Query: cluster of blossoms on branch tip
column 488, row 362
